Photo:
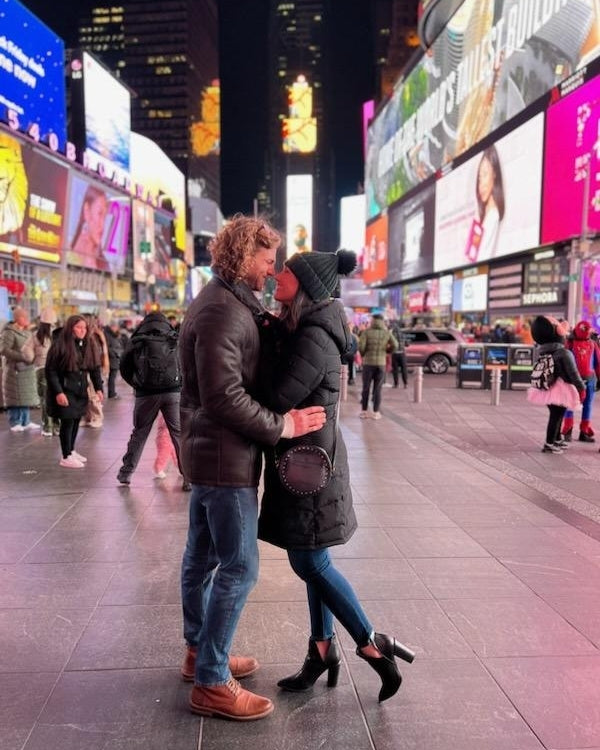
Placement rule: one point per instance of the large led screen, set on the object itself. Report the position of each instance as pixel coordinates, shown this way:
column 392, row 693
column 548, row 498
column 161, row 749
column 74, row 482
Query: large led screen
column 32, row 76
column 159, row 180
column 152, row 244
column 469, row 294
column 410, row 246
column 299, row 213
column 493, row 59
column 375, row 258
column 33, row 189
column 572, row 159
column 107, row 120
column 490, row 205
column 99, row 219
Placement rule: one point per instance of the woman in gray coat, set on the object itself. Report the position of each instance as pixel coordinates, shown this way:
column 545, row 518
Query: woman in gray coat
column 308, row 374
column 20, row 389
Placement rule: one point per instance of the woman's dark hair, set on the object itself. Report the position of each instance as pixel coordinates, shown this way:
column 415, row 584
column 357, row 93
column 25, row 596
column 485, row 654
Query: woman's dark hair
column 44, row 332
column 290, row 314
column 491, row 155
column 67, row 354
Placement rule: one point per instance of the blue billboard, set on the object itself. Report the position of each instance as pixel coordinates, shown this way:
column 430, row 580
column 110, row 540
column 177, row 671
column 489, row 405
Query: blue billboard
column 32, row 76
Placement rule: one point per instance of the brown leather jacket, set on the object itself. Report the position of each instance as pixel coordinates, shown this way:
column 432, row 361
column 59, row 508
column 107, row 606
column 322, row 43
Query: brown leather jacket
column 223, row 428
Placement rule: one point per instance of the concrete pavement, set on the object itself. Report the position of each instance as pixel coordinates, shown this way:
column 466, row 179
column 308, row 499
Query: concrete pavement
column 474, row 548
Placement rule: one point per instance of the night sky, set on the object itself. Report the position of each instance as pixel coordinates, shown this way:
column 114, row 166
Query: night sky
column 243, row 71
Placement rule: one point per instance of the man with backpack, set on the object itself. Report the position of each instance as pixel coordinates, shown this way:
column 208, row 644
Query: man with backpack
column 150, row 364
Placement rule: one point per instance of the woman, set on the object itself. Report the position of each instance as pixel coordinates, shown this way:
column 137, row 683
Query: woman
column 87, row 240
column 69, row 361
column 490, row 202
column 41, row 345
column 308, row 374
column 94, row 413
column 555, row 380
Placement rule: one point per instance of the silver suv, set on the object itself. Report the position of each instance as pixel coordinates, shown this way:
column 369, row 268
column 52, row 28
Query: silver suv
column 433, row 348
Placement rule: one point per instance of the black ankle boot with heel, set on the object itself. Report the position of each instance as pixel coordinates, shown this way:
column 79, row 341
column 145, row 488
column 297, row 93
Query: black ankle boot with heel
column 385, row 665
column 313, row 668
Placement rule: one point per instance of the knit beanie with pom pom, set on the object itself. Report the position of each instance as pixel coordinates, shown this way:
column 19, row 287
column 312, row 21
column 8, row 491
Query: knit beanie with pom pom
column 318, row 272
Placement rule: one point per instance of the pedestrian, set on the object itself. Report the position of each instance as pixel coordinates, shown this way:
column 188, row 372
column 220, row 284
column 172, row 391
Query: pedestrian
column 374, row 344
column 349, row 357
column 20, row 390
column 115, row 344
column 555, row 380
column 94, row 413
column 42, row 339
column 307, row 372
column 223, row 430
column 71, row 359
column 587, row 360
column 399, row 366
column 150, row 364
column 165, row 449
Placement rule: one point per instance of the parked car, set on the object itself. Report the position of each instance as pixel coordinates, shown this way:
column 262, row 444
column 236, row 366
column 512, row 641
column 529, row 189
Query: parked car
column 433, row 348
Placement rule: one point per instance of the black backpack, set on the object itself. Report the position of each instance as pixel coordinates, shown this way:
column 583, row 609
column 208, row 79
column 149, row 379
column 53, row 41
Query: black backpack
column 155, row 361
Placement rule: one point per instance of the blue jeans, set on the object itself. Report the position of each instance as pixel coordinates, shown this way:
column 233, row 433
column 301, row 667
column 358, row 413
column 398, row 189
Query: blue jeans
column 590, row 392
column 329, row 595
column 220, row 568
column 18, row 415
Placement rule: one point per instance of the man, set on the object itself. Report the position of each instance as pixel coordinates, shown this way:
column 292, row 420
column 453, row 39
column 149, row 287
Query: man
column 374, row 343
column 399, row 356
column 150, row 364
column 223, row 427
column 115, row 343
column 20, row 385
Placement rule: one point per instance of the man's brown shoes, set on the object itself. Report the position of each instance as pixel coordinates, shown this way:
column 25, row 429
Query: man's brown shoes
column 240, row 666
column 229, row 701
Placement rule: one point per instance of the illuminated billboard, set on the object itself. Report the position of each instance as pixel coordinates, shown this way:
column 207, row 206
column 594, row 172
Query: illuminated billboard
column 299, row 128
column 98, row 222
column 469, row 293
column 375, row 258
column 32, row 77
column 101, row 118
column 492, row 60
column 157, row 180
column 572, row 158
column 411, row 237
column 152, row 243
column 352, row 223
column 299, row 213
column 205, row 134
column 490, row 205
column 33, row 192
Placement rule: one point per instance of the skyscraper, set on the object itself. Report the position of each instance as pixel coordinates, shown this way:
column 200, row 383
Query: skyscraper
column 167, row 53
column 396, row 39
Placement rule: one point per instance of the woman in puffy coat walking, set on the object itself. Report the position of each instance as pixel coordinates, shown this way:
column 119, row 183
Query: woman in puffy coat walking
column 308, row 374
column 69, row 361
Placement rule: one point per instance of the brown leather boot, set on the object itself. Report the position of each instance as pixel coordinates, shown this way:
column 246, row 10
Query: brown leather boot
column 230, row 701
column 240, row 666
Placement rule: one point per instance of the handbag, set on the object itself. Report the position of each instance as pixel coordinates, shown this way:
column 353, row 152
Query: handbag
column 307, row 469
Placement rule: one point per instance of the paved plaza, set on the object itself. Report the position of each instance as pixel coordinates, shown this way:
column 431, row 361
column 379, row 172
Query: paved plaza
column 474, row 548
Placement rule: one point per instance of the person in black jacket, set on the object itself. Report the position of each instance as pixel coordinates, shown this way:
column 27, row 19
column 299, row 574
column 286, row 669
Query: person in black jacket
column 70, row 359
column 567, row 389
column 308, row 374
column 150, row 364
column 116, row 345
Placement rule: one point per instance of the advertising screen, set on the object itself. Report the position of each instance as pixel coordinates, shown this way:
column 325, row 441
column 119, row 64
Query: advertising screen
column 375, row 258
column 410, row 246
column 469, row 294
column 572, row 159
column 493, row 59
column 33, row 190
column 159, row 181
column 98, row 221
column 152, row 243
column 32, row 77
column 107, row 128
column 299, row 213
column 490, row 205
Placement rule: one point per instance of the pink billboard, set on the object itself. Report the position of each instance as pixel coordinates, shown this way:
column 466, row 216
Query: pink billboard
column 571, row 160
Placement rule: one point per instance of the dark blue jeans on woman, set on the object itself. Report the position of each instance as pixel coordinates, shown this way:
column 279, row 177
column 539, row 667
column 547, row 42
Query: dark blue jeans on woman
column 220, row 568
column 329, row 595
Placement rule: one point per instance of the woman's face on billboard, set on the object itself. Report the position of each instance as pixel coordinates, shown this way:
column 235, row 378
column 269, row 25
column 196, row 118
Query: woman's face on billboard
column 95, row 218
column 485, row 180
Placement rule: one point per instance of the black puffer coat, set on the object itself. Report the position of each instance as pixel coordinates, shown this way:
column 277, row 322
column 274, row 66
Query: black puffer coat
column 73, row 384
column 308, row 374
